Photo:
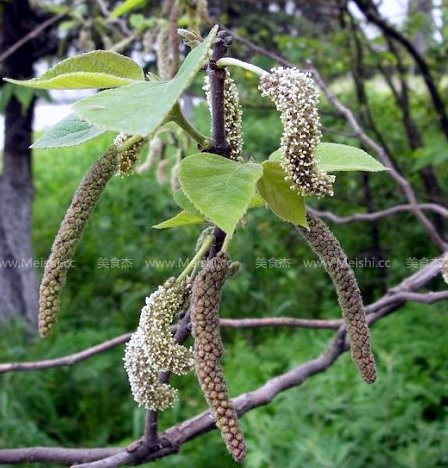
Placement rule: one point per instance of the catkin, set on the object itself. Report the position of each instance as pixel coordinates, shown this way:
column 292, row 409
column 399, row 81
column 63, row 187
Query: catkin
column 208, row 349
column 70, row 232
column 328, row 249
column 152, row 348
column 296, row 98
column 127, row 159
column 163, row 53
column 445, row 269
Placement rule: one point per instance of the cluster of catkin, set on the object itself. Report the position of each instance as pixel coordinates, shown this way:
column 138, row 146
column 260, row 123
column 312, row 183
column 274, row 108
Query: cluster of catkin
column 296, row 98
column 152, row 348
column 208, row 349
column 72, row 227
column 328, row 249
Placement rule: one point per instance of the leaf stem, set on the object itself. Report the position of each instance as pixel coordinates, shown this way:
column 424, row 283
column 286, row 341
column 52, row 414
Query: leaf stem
column 230, row 61
column 226, row 243
column 208, row 241
column 202, row 140
column 129, row 143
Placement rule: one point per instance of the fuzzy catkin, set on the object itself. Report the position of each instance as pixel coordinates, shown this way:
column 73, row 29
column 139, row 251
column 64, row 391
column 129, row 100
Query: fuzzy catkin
column 127, row 159
column 152, row 348
column 445, row 269
column 296, row 98
column 163, row 53
column 70, row 232
column 208, row 349
column 328, row 249
column 233, row 114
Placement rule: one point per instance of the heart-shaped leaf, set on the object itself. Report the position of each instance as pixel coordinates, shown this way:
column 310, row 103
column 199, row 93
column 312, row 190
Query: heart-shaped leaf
column 140, row 108
column 287, row 204
column 219, row 188
column 334, row 157
column 181, row 219
column 181, row 199
column 96, row 69
column 70, row 131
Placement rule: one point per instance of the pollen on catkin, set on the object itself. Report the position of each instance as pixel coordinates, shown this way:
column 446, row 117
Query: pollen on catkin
column 70, row 232
column 208, row 349
column 328, row 249
column 233, row 114
column 296, row 98
column 127, row 159
column 152, row 348
column 445, row 268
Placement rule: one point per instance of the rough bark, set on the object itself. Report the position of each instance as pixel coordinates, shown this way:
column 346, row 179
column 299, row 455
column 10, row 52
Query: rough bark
column 18, row 287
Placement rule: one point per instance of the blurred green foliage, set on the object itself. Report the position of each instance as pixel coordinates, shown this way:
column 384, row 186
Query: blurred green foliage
column 333, row 420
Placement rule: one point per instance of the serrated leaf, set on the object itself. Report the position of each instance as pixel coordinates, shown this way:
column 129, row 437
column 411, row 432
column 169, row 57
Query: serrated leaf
column 284, row 202
column 219, row 188
column 96, row 69
column 181, row 219
column 334, row 157
column 70, row 131
column 181, row 199
column 140, row 108
column 126, row 7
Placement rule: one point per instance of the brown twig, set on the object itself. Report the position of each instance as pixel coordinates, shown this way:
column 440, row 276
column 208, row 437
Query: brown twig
column 173, row 438
column 32, row 34
column 379, row 214
column 403, row 183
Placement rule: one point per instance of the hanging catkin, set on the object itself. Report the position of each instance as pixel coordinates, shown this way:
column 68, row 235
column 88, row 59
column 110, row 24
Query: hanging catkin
column 328, row 249
column 208, row 349
column 70, row 232
column 152, row 348
column 445, row 268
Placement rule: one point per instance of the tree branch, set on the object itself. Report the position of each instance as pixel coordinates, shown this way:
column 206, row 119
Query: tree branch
column 364, row 138
column 379, row 214
column 172, row 439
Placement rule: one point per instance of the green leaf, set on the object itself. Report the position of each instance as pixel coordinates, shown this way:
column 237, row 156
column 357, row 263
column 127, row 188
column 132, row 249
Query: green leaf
column 257, row 201
column 181, row 219
column 96, row 69
column 70, row 131
column 140, row 108
column 219, row 188
column 284, row 202
column 335, row 157
column 181, row 199
column 126, row 7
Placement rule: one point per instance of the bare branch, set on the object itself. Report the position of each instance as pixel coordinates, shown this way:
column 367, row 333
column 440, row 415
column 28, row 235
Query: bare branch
column 31, row 35
column 364, row 138
column 379, row 214
column 170, row 441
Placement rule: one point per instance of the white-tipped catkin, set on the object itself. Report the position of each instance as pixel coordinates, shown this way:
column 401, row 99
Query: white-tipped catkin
column 161, row 172
column 127, row 159
column 152, row 348
column 70, row 232
column 144, row 379
column 233, row 114
column 296, row 98
column 208, row 349
column 328, row 249
column 445, row 268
